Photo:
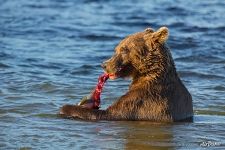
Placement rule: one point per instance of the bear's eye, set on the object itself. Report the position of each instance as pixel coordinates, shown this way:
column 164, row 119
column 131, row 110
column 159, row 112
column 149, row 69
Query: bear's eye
column 124, row 51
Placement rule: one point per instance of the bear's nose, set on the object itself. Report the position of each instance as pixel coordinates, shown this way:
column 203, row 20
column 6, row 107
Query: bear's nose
column 103, row 65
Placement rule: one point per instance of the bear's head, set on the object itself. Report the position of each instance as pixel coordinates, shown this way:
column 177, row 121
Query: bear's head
column 140, row 54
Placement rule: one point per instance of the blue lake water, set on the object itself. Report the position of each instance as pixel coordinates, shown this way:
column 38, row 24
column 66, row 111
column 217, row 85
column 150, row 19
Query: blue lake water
column 50, row 55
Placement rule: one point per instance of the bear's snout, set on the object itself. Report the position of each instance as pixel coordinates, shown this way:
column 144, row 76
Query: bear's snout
column 103, row 65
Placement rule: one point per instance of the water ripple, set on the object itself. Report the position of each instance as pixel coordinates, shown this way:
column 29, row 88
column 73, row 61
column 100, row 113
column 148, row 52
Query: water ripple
column 199, row 75
column 2, row 65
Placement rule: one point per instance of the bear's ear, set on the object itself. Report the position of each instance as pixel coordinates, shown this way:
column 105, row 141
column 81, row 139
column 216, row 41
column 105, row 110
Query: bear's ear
column 149, row 30
column 161, row 35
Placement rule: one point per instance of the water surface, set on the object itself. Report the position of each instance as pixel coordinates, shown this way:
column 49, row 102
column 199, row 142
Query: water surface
column 50, row 55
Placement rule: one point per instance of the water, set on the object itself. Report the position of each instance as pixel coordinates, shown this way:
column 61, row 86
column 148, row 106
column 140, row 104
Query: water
column 50, row 55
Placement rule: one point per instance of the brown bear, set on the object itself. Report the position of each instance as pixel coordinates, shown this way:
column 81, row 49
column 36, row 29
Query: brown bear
column 156, row 92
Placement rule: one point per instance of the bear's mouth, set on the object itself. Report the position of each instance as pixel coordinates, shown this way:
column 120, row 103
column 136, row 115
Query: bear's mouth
column 115, row 75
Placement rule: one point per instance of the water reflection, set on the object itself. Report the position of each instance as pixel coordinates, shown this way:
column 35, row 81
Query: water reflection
column 147, row 135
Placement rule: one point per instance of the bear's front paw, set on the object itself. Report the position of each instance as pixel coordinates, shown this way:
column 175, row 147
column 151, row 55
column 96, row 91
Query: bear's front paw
column 68, row 110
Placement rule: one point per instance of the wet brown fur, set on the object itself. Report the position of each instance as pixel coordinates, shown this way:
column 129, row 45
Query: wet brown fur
column 156, row 92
